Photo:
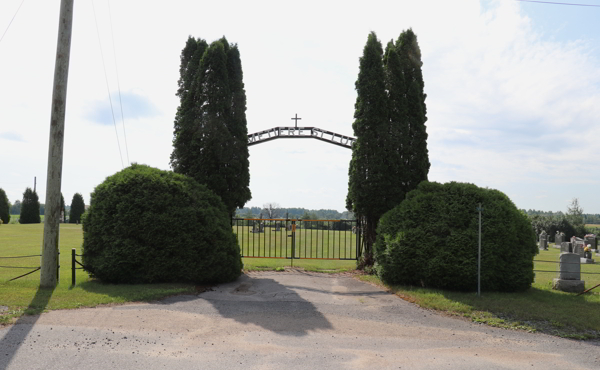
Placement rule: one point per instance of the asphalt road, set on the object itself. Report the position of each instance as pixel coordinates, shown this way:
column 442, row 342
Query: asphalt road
column 279, row 320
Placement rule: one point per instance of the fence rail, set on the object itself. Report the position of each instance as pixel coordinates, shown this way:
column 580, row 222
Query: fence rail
column 567, row 263
column 298, row 239
column 36, row 268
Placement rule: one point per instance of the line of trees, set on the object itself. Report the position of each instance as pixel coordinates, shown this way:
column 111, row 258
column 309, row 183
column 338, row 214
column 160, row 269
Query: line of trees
column 295, row 213
column 389, row 157
column 572, row 223
column 30, row 209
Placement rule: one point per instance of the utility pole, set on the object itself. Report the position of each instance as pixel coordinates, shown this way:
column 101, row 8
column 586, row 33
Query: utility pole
column 34, row 183
column 49, row 271
column 479, row 209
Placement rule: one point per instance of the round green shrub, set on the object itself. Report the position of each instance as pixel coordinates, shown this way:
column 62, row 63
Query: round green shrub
column 145, row 225
column 431, row 240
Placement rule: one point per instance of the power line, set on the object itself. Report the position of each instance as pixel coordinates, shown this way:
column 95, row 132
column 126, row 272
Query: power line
column 13, row 18
column 556, row 3
column 107, row 86
column 118, row 82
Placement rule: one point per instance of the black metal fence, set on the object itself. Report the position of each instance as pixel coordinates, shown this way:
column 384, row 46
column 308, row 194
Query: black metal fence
column 298, row 239
column 35, row 268
column 74, row 264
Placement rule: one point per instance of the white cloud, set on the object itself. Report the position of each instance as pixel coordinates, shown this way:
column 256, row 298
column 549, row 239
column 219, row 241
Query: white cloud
column 13, row 136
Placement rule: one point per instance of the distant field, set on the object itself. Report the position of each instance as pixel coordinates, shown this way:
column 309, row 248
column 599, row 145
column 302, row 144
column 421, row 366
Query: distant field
column 14, row 219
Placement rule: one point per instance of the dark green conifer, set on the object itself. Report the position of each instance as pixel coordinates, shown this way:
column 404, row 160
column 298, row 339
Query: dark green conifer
column 417, row 159
column 389, row 157
column 62, row 208
column 77, row 209
column 4, row 207
column 210, row 138
column 30, row 208
column 368, row 168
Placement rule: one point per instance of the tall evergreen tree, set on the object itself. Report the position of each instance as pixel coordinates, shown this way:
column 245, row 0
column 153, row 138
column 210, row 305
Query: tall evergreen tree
column 62, row 208
column 397, row 142
column 416, row 159
column 4, row 207
column 77, row 209
column 389, row 157
column 210, row 135
column 368, row 168
column 30, row 208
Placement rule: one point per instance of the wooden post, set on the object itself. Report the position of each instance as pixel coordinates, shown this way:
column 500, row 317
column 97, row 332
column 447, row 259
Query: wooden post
column 49, row 272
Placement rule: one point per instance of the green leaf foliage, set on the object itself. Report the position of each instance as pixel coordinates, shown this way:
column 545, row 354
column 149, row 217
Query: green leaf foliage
column 145, row 225
column 553, row 224
column 77, row 209
column 4, row 207
column 210, row 140
column 30, row 208
column 431, row 239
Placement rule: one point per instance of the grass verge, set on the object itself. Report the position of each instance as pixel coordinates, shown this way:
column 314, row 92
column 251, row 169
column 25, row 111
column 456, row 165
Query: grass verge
column 539, row 309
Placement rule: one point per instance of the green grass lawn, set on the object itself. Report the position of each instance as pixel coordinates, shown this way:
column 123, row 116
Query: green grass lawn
column 23, row 296
column 537, row 309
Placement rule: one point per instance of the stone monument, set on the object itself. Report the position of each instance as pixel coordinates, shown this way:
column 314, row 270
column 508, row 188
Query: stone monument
column 543, row 244
column 558, row 239
column 569, row 275
column 591, row 240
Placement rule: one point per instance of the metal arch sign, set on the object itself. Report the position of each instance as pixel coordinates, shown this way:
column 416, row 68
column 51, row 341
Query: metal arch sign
column 301, row 133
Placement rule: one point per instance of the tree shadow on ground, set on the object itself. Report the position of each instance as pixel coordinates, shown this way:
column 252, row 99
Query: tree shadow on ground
column 258, row 301
column 16, row 335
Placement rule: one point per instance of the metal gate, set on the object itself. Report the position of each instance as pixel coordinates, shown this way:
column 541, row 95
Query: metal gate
column 298, row 239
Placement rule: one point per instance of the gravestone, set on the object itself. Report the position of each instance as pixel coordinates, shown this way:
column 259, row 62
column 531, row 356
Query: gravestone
column 578, row 247
column 258, row 227
column 591, row 240
column 587, row 254
column 569, row 275
column 566, row 247
column 558, row 239
column 543, row 244
column 277, row 226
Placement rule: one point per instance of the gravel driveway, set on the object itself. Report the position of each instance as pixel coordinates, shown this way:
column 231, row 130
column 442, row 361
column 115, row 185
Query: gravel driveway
column 279, row 320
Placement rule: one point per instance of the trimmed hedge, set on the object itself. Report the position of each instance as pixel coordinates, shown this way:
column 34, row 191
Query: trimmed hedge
column 431, row 240
column 145, row 225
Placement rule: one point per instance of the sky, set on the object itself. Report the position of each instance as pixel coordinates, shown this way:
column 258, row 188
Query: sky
column 513, row 91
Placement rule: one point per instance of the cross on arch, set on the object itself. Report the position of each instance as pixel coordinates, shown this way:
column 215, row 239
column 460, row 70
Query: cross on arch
column 296, row 119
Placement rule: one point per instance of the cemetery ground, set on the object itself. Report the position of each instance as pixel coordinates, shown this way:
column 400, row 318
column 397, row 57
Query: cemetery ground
column 538, row 309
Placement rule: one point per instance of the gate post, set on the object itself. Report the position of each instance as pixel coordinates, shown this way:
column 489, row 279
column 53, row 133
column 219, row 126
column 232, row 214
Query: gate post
column 293, row 240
